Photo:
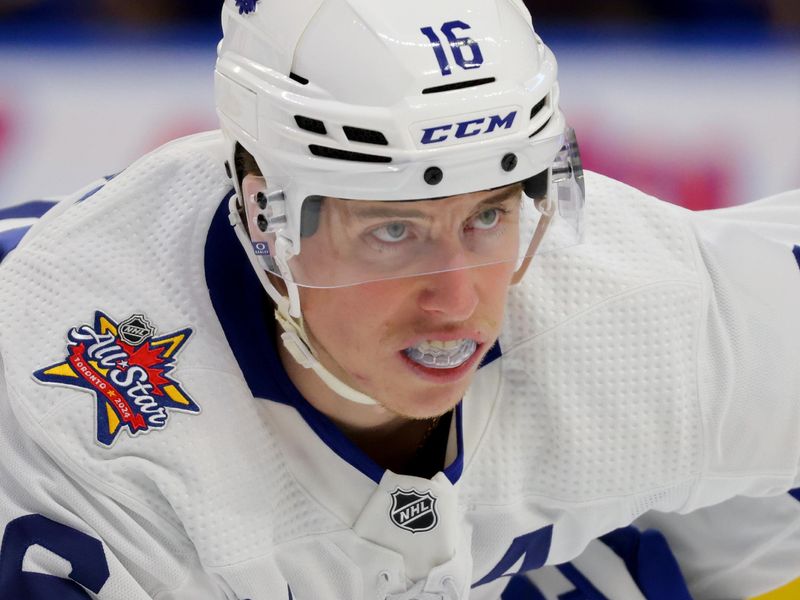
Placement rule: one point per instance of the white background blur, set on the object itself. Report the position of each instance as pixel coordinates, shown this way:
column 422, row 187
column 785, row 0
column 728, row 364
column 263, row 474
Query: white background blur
column 703, row 123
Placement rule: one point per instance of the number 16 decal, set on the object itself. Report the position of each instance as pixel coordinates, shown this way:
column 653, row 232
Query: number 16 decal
column 457, row 45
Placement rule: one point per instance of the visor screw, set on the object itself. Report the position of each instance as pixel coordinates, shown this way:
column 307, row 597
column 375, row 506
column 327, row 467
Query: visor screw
column 261, row 198
column 228, row 170
column 433, row 176
column 262, row 222
column 509, row 162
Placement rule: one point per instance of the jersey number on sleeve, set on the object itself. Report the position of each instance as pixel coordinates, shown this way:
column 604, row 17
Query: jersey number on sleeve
column 84, row 553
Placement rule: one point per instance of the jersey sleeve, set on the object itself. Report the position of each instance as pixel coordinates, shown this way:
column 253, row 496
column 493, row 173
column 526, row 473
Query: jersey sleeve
column 748, row 354
column 59, row 538
column 18, row 219
column 740, row 548
column 625, row 563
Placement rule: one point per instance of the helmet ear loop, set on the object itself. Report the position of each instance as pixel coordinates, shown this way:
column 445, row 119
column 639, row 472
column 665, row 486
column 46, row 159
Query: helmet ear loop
column 538, row 235
column 246, row 217
column 282, row 249
column 287, row 311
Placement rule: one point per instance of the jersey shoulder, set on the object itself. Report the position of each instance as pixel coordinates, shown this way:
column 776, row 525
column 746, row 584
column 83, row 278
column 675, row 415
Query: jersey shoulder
column 630, row 360
column 115, row 363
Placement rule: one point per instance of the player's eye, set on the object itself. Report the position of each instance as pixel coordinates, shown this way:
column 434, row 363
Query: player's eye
column 391, row 233
column 486, row 219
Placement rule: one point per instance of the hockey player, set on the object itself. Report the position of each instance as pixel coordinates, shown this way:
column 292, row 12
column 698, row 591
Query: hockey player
column 311, row 356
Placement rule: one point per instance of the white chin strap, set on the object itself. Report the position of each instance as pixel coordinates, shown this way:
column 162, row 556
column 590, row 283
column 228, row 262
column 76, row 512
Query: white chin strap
column 289, row 316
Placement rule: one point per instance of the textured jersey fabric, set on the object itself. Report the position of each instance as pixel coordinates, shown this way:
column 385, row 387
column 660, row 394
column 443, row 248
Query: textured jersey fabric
column 651, row 367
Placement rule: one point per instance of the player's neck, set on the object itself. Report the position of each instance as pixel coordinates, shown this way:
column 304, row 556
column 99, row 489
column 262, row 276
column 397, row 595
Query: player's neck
column 391, row 440
column 398, row 447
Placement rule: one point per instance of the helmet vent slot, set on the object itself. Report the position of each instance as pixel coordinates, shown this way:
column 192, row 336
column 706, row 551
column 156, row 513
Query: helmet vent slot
column 538, row 108
column 298, row 79
column 538, row 131
column 309, row 124
column 325, row 152
column 458, row 86
column 365, row 136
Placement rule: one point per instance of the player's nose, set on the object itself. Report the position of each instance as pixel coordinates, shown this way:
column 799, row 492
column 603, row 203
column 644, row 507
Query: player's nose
column 452, row 294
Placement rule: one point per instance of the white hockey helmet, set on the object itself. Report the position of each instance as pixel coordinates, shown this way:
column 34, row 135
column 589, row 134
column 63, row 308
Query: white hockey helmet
column 386, row 101
column 345, row 101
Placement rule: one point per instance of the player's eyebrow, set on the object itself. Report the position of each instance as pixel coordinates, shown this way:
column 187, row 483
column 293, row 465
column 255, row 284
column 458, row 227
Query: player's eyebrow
column 385, row 210
column 389, row 212
column 502, row 195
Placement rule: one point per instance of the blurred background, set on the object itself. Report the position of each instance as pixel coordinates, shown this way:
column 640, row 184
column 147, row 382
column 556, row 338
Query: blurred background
column 697, row 102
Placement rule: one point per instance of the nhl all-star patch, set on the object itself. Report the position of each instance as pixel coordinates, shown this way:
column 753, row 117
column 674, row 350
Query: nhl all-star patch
column 127, row 368
column 413, row 511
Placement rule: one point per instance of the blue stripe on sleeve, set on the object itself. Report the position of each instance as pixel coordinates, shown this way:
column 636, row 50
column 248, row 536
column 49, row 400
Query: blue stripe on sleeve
column 9, row 240
column 797, row 254
column 795, row 494
column 28, row 210
column 90, row 193
column 650, row 562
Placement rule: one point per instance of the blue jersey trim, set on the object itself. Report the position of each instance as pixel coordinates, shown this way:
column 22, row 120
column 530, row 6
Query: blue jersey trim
column 796, row 251
column 96, row 189
column 89, row 567
column 492, row 355
column 29, row 210
column 521, row 588
column 650, row 562
column 10, row 239
column 525, row 553
column 245, row 314
column 795, row 494
column 584, row 590
column 90, row 193
column 454, row 470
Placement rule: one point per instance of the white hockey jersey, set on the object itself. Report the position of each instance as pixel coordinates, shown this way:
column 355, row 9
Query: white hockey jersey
column 153, row 446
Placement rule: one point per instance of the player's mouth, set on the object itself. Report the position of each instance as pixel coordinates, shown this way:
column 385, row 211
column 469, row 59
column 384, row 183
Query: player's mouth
column 442, row 355
column 443, row 362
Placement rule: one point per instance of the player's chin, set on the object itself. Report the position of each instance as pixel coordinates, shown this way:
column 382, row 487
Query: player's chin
column 425, row 400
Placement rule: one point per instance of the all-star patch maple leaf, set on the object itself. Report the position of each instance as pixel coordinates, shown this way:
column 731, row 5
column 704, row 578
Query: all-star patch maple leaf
column 127, row 368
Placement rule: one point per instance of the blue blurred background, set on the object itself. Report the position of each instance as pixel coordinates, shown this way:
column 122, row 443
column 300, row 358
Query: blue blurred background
column 695, row 102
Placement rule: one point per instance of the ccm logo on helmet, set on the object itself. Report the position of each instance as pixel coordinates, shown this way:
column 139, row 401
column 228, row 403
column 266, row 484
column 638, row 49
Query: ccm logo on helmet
column 469, row 128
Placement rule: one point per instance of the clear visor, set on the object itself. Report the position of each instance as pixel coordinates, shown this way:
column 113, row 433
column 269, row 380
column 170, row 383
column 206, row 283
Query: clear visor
column 349, row 242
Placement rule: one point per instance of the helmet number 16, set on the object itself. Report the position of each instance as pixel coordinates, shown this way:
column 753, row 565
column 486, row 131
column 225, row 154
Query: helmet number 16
column 457, row 46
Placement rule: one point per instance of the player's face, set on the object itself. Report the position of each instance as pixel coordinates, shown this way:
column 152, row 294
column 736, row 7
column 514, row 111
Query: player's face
column 387, row 338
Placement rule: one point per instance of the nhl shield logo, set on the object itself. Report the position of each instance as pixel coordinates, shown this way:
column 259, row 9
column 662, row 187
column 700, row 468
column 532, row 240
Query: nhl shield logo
column 135, row 329
column 413, row 511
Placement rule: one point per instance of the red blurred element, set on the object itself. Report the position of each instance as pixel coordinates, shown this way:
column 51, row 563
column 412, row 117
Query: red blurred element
column 693, row 176
column 5, row 131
